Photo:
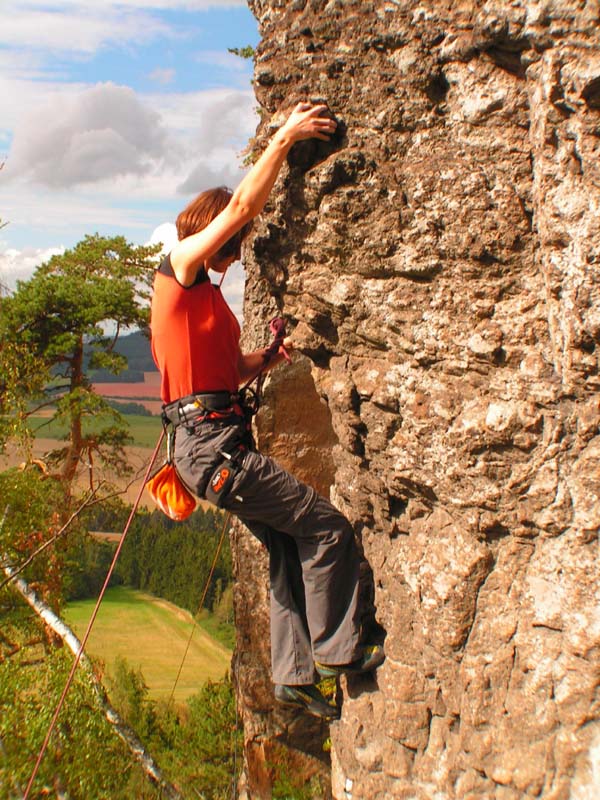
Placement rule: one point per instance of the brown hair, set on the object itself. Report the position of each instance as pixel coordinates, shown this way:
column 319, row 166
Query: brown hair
column 202, row 210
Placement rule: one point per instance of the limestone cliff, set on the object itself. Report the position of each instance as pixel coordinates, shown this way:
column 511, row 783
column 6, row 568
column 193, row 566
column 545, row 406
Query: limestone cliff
column 440, row 264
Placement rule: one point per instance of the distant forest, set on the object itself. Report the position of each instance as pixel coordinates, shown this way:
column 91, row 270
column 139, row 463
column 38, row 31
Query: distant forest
column 136, row 349
column 165, row 558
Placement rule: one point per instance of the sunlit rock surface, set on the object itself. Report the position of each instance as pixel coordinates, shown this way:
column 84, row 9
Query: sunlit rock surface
column 440, row 264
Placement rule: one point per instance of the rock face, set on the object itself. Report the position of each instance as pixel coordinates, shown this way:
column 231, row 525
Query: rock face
column 440, row 263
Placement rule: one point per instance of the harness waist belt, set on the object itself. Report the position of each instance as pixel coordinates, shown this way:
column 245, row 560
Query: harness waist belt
column 185, row 408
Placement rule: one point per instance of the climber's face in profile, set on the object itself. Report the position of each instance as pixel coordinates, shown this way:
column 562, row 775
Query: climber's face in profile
column 219, row 263
column 200, row 213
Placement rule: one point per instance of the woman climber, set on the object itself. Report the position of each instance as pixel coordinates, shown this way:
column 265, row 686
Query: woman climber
column 314, row 562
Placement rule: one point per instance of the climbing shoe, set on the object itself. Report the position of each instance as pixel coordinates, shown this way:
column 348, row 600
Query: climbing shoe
column 307, row 697
column 373, row 656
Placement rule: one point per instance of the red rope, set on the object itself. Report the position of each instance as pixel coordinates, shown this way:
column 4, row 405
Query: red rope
column 202, row 599
column 91, row 622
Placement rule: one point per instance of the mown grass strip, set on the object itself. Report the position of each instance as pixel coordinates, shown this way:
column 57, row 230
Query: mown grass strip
column 143, row 429
column 151, row 634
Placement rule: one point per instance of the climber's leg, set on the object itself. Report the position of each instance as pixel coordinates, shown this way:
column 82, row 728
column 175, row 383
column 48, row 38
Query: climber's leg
column 264, row 492
column 330, row 568
column 291, row 653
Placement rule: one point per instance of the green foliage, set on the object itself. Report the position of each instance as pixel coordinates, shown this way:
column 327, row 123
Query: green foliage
column 129, row 694
column 208, row 743
column 109, row 516
column 130, row 408
column 220, row 624
column 243, row 52
column 291, row 785
column 20, row 379
column 173, row 559
column 86, row 566
column 84, row 758
column 198, row 746
column 30, row 503
column 62, row 310
column 135, row 348
column 68, row 298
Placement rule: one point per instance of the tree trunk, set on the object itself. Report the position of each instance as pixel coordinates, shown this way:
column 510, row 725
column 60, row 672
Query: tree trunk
column 75, row 447
column 119, row 726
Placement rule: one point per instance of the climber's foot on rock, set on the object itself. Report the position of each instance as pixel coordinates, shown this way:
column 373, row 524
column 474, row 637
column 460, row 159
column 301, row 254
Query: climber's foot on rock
column 308, row 698
column 373, row 656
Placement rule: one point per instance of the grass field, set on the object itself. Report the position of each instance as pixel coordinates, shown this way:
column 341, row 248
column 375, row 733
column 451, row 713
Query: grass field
column 144, row 430
column 151, row 634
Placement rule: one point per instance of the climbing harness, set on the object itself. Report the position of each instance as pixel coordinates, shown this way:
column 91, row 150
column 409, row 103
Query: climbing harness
column 166, row 487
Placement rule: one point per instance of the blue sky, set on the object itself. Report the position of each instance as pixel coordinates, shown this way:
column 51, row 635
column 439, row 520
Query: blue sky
column 115, row 114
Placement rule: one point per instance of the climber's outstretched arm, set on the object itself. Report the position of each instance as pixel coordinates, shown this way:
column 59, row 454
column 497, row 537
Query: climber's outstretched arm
column 191, row 253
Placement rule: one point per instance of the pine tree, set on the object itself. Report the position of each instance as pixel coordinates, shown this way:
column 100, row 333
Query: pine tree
column 69, row 303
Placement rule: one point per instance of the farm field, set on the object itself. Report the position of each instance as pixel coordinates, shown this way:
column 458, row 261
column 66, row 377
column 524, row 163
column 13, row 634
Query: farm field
column 137, row 458
column 147, row 393
column 152, row 635
column 144, row 430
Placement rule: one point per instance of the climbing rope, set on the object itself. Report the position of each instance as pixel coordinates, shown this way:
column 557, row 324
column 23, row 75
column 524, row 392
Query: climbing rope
column 234, row 732
column 202, row 599
column 91, row 622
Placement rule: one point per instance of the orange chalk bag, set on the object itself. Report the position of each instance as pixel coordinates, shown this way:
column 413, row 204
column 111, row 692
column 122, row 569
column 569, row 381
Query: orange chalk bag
column 167, row 489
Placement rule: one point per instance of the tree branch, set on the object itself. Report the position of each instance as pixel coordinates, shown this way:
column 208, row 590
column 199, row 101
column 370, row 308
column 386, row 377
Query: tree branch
column 49, row 402
column 17, row 570
column 118, row 725
column 87, row 503
column 111, row 346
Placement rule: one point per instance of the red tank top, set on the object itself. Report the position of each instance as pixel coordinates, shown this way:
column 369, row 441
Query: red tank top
column 195, row 336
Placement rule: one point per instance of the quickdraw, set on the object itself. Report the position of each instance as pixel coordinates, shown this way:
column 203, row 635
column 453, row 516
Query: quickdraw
column 277, row 326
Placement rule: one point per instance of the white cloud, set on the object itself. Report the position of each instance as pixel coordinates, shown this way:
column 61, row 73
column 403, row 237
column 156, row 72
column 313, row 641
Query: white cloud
column 233, row 289
column 68, row 215
column 78, row 29
column 84, row 26
column 162, row 76
column 211, row 117
column 213, row 127
column 22, row 97
column 107, row 133
column 204, row 176
column 97, row 134
column 166, row 234
column 224, row 60
column 19, row 265
column 230, row 116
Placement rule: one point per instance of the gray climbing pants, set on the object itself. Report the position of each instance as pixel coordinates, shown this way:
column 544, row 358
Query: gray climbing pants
column 313, row 558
